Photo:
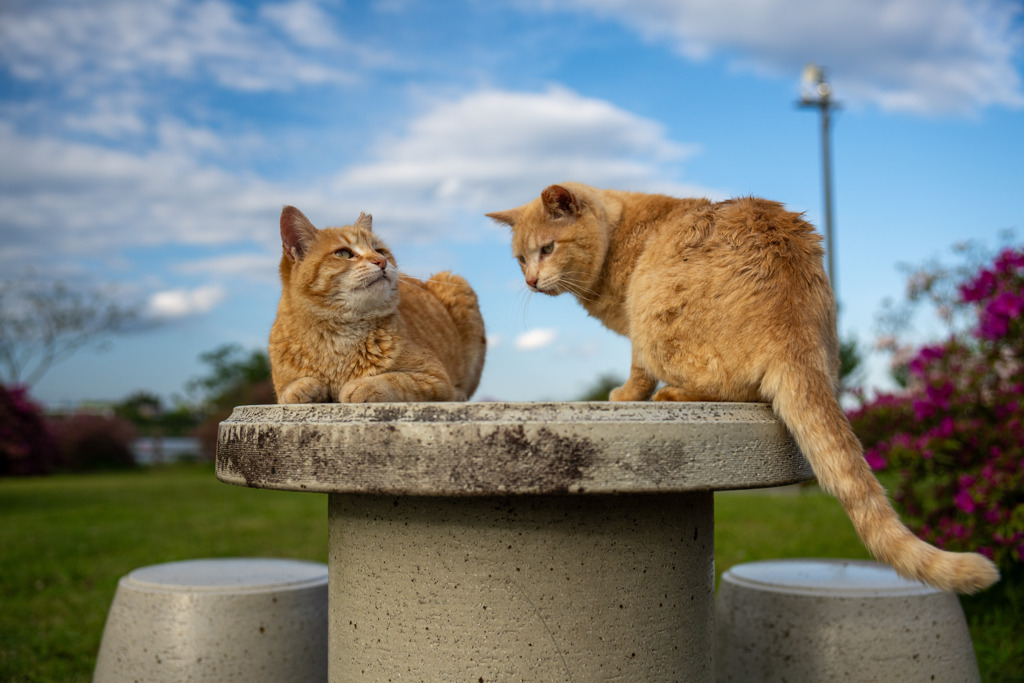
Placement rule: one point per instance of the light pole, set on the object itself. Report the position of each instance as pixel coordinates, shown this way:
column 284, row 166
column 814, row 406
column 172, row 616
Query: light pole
column 817, row 93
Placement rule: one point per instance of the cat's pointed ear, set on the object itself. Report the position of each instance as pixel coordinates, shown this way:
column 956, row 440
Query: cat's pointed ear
column 559, row 202
column 507, row 217
column 365, row 220
column 296, row 233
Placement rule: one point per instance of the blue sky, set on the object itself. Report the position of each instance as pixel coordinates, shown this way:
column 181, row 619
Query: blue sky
column 148, row 147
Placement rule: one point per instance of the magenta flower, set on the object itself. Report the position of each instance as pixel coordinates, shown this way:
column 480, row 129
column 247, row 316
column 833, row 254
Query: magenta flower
column 924, row 359
column 875, row 459
column 979, row 288
column 1009, row 260
column 964, row 501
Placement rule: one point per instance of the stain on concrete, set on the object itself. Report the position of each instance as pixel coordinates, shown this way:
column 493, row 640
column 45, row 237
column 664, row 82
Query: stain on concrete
column 543, row 461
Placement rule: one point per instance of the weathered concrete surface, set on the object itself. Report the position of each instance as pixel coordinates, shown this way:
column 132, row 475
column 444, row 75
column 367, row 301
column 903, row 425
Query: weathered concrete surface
column 557, row 588
column 458, row 449
column 838, row 620
column 250, row 620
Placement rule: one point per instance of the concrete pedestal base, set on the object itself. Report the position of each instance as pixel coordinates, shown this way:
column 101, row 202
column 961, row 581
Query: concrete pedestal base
column 533, row 588
column 515, row 542
column 838, row 620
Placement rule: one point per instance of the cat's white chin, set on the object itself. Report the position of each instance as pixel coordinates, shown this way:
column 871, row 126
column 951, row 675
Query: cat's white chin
column 382, row 283
column 552, row 290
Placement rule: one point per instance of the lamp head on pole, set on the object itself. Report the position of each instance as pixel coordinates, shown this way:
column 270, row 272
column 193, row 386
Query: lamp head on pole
column 814, row 89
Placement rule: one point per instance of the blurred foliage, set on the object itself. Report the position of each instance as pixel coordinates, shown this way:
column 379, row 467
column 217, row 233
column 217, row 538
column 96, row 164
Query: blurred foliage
column 27, row 446
column 89, row 442
column 236, row 377
column 601, row 388
column 851, row 365
column 146, row 411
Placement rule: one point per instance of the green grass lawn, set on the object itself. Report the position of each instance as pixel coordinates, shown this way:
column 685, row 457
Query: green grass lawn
column 65, row 541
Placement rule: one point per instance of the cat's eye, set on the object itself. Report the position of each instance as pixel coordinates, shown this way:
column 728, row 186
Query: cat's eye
column 344, row 253
column 547, row 248
column 522, row 260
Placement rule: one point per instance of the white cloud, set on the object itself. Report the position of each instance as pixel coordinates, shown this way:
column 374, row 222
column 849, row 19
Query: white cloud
column 115, row 67
column 922, row 56
column 304, row 21
column 536, row 338
column 103, row 41
column 250, row 266
column 75, row 198
column 485, row 151
column 491, row 149
column 179, row 303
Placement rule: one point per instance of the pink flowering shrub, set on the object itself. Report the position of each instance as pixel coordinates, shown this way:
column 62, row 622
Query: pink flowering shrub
column 27, row 446
column 90, row 442
column 954, row 438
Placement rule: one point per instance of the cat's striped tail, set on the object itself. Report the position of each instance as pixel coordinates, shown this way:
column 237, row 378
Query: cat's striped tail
column 806, row 404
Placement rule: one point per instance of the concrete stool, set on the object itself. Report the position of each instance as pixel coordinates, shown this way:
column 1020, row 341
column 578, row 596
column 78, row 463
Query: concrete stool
column 239, row 619
column 838, row 620
column 516, row 541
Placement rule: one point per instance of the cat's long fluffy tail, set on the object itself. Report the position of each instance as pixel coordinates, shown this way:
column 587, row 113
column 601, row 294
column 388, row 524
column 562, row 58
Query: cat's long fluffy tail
column 805, row 403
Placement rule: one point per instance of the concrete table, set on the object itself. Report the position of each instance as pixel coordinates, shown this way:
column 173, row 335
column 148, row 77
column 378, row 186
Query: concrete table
column 516, row 541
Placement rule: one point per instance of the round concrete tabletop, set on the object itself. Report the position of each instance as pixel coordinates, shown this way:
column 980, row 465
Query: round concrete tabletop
column 477, row 449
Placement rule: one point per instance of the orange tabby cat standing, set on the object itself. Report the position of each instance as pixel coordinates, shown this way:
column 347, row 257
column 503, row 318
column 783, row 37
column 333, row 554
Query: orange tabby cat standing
column 724, row 302
column 351, row 329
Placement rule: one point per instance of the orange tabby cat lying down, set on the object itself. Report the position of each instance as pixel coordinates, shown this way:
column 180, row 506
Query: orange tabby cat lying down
column 351, row 329
column 724, row 302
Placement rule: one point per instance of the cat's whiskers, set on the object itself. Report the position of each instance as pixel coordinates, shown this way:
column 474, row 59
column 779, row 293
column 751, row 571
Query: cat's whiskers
column 527, row 296
column 576, row 288
column 571, row 289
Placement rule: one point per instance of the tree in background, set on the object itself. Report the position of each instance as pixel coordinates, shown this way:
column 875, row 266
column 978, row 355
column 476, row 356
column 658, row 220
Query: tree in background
column 147, row 412
column 601, row 388
column 952, row 437
column 42, row 323
column 235, row 378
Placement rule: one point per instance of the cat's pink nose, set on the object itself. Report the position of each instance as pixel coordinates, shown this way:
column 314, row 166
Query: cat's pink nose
column 381, row 262
column 532, row 281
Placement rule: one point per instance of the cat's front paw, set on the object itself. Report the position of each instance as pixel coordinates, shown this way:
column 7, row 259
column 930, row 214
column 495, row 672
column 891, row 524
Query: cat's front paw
column 305, row 390
column 365, row 390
